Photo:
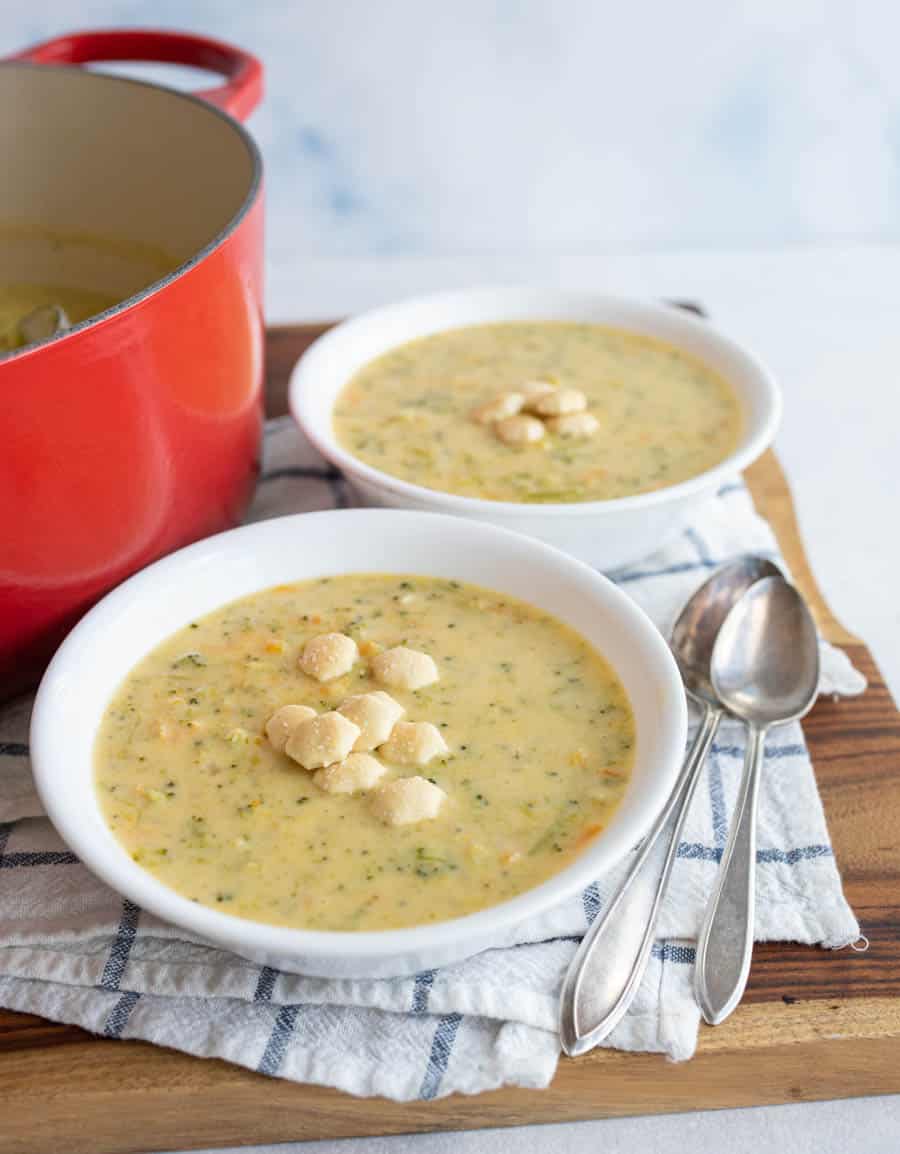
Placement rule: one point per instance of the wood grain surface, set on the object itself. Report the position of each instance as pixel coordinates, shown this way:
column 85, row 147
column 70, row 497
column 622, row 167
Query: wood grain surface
column 815, row 1024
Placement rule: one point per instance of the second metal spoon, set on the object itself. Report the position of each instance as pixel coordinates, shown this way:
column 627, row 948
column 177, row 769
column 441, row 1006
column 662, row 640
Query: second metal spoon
column 627, row 926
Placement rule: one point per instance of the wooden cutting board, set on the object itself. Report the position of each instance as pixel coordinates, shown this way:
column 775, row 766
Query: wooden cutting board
column 814, row 1024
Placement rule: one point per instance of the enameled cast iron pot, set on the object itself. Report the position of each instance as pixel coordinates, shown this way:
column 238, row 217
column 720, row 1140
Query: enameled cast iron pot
column 138, row 430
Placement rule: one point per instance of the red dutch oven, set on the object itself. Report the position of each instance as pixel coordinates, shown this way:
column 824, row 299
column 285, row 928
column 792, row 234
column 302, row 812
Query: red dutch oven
column 138, row 430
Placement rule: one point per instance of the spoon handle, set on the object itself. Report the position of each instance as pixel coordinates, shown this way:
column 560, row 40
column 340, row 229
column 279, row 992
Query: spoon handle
column 726, row 939
column 626, row 928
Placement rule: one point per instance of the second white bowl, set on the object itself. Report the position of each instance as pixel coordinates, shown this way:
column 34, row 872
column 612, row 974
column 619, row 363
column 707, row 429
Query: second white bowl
column 606, row 534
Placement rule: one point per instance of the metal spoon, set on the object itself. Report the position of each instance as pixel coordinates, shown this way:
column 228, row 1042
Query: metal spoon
column 627, row 925
column 765, row 669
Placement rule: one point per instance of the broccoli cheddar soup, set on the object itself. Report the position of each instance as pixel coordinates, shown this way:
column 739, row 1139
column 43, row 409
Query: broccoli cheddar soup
column 538, row 411
column 364, row 752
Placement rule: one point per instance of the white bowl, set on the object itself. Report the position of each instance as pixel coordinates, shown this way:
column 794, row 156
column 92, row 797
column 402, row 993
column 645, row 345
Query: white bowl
column 606, row 534
column 150, row 606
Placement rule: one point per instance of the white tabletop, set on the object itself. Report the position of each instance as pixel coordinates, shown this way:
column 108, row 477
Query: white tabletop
column 825, row 322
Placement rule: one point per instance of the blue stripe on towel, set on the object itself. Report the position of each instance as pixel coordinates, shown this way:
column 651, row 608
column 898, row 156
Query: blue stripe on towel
column 121, row 947
column 119, row 1015
column 13, row 749
column 669, row 952
column 439, row 1058
column 592, row 902
column 37, row 858
column 699, row 546
column 772, row 752
column 265, row 984
column 792, row 856
column 696, row 851
column 732, row 487
column 276, row 1047
column 301, row 472
column 624, row 578
column 422, row 991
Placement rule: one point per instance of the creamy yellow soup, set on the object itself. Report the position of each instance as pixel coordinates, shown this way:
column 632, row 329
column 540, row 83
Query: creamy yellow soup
column 43, row 270
column 539, row 730
column 662, row 415
column 17, row 301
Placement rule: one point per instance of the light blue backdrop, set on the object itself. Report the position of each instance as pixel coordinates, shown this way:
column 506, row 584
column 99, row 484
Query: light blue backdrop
column 427, row 127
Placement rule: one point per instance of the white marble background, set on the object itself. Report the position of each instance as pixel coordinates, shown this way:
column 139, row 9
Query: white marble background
column 408, row 127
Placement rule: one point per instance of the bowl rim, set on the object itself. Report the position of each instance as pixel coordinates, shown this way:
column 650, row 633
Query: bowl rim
column 751, row 446
column 244, row 935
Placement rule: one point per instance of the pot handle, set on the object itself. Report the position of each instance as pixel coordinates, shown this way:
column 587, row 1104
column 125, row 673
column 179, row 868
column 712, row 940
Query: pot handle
column 243, row 72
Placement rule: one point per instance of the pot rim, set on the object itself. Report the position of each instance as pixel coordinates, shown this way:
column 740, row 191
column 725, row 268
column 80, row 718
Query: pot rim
column 180, row 270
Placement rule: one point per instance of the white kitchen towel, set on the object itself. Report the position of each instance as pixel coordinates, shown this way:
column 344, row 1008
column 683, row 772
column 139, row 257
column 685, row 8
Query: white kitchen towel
column 73, row 951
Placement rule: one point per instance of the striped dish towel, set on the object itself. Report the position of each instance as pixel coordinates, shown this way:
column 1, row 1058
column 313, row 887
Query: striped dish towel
column 73, row 951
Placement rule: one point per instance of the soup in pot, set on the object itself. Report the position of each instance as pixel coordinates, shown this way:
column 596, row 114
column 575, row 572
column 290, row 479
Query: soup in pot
column 53, row 280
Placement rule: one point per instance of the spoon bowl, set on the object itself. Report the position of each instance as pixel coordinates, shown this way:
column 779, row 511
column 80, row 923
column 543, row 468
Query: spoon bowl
column 698, row 625
column 765, row 661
